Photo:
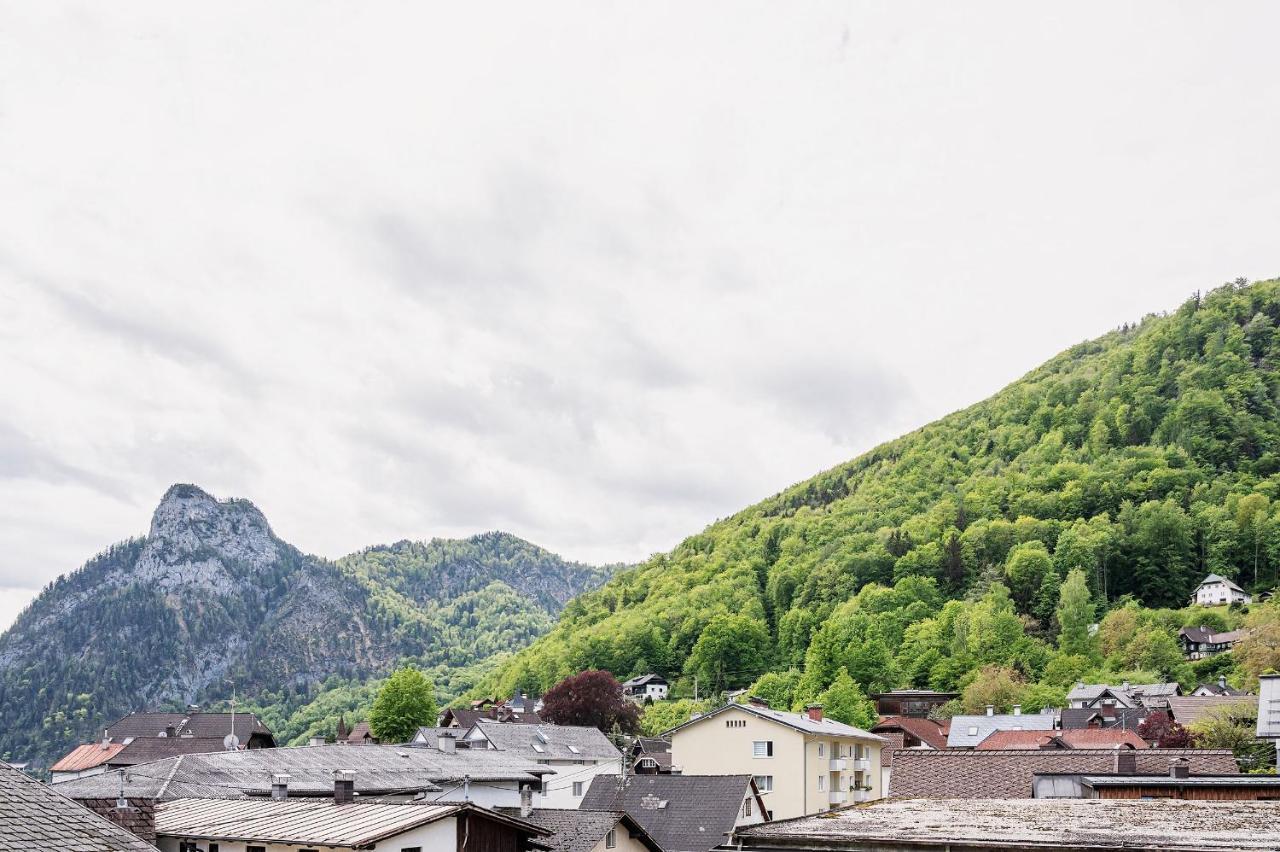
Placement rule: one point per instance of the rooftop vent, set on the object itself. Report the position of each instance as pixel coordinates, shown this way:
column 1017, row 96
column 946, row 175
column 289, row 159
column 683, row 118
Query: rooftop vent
column 446, row 743
column 1017, row 709
column 1126, row 761
column 1180, row 768
column 991, row 709
column 279, row 786
column 344, row 786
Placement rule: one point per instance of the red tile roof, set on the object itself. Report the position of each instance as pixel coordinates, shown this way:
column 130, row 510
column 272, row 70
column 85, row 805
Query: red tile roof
column 927, row 731
column 86, row 756
column 974, row 774
column 1076, row 738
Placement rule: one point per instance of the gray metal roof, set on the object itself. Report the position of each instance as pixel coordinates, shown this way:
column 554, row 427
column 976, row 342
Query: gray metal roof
column 379, row 769
column 547, row 742
column 798, row 721
column 1189, row 781
column 984, row 726
column 683, row 813
column 1217, row 578
column 37, row 818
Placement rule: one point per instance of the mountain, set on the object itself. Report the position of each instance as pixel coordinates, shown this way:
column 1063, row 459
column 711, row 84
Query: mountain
column 211, row 597
column 1147, row 458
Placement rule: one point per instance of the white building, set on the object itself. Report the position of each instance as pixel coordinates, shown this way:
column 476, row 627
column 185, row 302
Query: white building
column 1219, row 591
column 574, row 754
column 646, row 686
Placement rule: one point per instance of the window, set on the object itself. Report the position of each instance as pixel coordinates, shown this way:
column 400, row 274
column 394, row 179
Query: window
column 575, row 749
column 746, row 808
column 611, row 839
column 577, row 788
column 764, row 783
column 410, row 849
column 822, row 750
column 762, row 748
column 822, row 783
column 973, row 730
column 213, row 847
column 255, row 849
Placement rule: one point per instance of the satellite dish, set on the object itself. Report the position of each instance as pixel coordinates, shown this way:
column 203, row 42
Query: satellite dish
column 231, row 742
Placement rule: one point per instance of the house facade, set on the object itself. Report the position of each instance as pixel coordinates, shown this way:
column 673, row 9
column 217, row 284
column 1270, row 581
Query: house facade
column 1216, row 590
column 802, row 763
column 573, row 754
column 650, row 686
column 1200, row 642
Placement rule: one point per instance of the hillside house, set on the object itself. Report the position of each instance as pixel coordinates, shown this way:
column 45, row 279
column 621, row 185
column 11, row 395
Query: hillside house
column 917, row 703
column 1200, row 642
column 1216, row 688
column 1098, row 696
column 651, row 686
column 802, row 763
column 1215, row 590
column 573, row 754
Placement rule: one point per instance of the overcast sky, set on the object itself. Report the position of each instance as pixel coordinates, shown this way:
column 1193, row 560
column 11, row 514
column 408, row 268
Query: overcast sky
column 595, row 274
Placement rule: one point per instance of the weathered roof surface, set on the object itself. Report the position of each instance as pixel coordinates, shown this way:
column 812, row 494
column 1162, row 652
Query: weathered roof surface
column 683, row 813
column 379, row 769
column 927, row 731
column 968, row 731
column 430, row 737
column 360, row 734
column 1190, row 709
column 86, row 756
column 798, row 721
column 1078, row 824
column 466, row 719
column 643, row 679
column 150, row 749
column 1192, row 781
column 548, row 742
column 37, row 818
column 195, row 723
column 579, row 830
column 892, row 742
column 653, row 745
column 1128, row 718
column 1215, row 688
column 1217, row 578
column 1072, row 738
column 965, row 774
column 314, row 822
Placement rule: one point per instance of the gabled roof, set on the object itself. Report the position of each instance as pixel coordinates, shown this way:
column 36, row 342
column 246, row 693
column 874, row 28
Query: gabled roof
column 968, row 731
column 892, row 742
column 1204, row 635
column 576, row 830
column 652, row 745
column 430, row 737
column 86, row 756
column 927, row 731
column 683, row 813
column 1215, row 688
column 379, row 769
column 798, row 721
column 466, row 719
column 311, row 822
column 149, row 749
column 547, row 742
column 1071, row 738
column 974, row 774
column 1216, row 578
column 643, row 679
column 1190, row 709
column 197, row 724
column 1127, row 718
column 35, row 817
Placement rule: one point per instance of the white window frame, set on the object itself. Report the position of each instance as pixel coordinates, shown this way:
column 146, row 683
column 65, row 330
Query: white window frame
column 611, row 839
column 577, row 788
column 822, row 750
column 762, row 748
column 764, row 783
column 822, row 783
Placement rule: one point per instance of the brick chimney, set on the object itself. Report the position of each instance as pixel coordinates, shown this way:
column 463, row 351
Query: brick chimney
column 814, row 712
column 1180, row 768
column 344, row 786
column 1126, row 761
column 279, row 786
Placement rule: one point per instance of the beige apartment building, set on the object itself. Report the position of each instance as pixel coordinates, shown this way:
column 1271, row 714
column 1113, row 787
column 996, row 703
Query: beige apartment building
column 802, row 763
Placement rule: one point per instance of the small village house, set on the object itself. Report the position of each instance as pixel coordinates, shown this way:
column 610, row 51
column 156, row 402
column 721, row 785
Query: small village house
column 591, row 831
column 1215, row 590
column 802, row 763
column 574, row 755
column 916, row 703
column 1200, row 642
column 683, row 813
column 651, row 686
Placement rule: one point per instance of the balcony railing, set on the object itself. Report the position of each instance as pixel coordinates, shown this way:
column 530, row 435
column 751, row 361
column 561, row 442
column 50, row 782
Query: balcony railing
column 837, row 797
column 838, row 764
column 862, row 795
column 862, row 764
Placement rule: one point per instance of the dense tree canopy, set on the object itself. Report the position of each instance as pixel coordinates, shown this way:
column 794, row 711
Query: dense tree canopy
column 405, row 703
column 591, row 698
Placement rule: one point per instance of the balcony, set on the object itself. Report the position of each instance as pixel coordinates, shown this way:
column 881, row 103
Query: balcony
column 862, row 764
column 837, row 797
column 839, row 764
column 862, row 795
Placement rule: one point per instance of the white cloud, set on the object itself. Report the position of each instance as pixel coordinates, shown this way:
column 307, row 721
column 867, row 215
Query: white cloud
column 593, row 274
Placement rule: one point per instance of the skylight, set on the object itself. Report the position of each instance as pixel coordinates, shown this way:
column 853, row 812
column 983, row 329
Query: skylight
column 574, row 749
column 538, row 748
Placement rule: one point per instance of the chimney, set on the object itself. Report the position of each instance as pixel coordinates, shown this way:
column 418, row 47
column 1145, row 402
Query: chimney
column 1180, row 768
column 1017, row 709
column 170, row 731
column 344, row 786
column 1126, row 761
column 106, row 739
column 814, row 712
column 991, row 709
column 1124, row 685
column 316, row 741
column 446, row 743
column 279, row 786
column 526, row 801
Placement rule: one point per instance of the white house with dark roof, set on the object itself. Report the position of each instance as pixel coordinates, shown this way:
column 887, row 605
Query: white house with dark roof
column 968, row 731
column 651, row 686
column 1216, row 590
column 573, row 754
column 802, row 763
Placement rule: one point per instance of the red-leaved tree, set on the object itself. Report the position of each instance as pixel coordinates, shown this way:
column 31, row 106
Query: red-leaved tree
column 592, row 698
column 1164, row 730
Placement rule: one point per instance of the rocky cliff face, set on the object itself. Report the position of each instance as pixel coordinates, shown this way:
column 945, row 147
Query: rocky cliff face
column 211, row 596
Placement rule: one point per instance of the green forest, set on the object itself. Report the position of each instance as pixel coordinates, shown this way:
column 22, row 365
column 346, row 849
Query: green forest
column 1051, row 533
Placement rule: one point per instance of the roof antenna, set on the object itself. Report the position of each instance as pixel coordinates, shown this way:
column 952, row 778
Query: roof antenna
column 231, row 742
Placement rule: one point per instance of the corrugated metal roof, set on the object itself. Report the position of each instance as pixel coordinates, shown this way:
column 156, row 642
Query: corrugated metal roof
column 299, row 821
column 86, row 756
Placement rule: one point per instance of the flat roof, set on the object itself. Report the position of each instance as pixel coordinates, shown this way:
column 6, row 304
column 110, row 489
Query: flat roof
column 1017, row 824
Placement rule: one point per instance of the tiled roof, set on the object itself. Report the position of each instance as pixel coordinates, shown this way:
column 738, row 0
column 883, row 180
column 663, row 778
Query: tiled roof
column 195, row 723
column 37, row 818
column 548, row 742
column 576, row 830
column 149, row 749
column 379, row 769
column 927, row 731
column 466, row 719
column 653, row 745
column 430, row 737
column 892, row 743
column 965, row 774
column 1215, row 688
column 1190, row 709
column 86, row 756
column 1128, row 718
column 313, row 822
column 968, row 731
column 1072, row 738
column 926, row 824
column 798, row 721
column 683, row 813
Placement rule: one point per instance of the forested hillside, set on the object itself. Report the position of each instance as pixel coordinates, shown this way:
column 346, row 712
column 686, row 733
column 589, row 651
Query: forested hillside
column 1143, row 460
column 211, row 598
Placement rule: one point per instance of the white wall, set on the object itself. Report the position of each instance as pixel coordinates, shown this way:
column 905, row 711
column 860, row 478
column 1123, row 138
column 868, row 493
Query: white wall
column 558, row 788
column 439, row 836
